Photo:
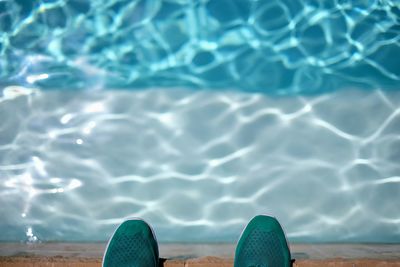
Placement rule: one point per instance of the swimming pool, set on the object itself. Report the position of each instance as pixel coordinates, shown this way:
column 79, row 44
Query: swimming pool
column 197, row 115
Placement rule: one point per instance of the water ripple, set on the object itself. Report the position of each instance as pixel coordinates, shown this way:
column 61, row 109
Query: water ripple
column 277, row 47
column 198, row 165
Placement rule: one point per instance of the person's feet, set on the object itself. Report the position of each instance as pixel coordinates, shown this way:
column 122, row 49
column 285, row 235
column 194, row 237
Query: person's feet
column 262, row 244
column 132, row 245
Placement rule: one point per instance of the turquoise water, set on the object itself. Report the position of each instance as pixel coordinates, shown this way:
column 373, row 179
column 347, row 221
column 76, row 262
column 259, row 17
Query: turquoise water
column 290, row 108
column 279, row 47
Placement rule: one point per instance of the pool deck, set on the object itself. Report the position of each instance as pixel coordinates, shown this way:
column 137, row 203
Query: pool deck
column 197, row 255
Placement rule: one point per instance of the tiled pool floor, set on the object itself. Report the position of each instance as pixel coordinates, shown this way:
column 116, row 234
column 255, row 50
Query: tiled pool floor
column 197, row 255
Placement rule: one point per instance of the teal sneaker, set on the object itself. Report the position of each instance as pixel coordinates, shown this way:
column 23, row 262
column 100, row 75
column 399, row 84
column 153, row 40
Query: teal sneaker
column 133, row 244
column 263, row 244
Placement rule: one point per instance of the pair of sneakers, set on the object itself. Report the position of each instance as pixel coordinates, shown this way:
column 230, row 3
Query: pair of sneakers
column 262, row 244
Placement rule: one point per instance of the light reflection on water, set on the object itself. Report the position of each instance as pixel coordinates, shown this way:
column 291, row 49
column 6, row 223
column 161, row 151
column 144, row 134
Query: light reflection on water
column 198, row 165
column 277, row 46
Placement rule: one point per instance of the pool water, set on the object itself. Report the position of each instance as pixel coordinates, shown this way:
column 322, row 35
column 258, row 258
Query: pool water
column 198, row 115
column 279, row 47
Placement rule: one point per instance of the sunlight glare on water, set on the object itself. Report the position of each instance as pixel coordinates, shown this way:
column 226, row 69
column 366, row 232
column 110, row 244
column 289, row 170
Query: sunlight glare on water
column 198, row 115
column 279, row 47
column 199, row 165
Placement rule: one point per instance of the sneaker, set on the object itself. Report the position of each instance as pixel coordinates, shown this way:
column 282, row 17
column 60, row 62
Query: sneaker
column 133, row 244
column 262, row 244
